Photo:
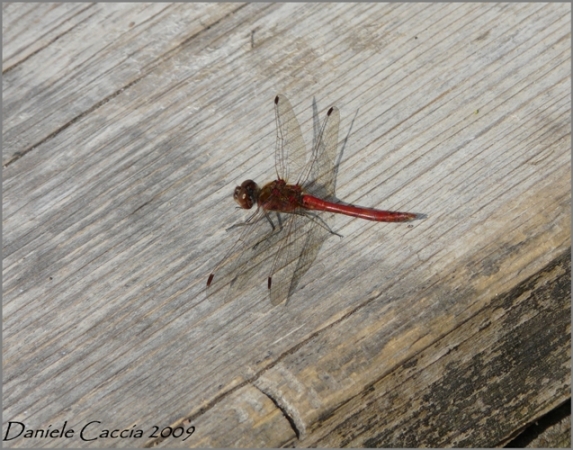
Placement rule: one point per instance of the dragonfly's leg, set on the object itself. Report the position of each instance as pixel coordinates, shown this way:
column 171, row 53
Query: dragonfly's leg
column 249, row 221
column 270, row 221
column 280, row 222
column 274, row 229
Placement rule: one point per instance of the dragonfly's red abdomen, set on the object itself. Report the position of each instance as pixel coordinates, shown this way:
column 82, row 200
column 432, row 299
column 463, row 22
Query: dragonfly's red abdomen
column 317, row 204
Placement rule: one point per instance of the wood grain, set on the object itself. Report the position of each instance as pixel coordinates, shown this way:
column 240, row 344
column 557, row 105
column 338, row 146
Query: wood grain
column 126, row 128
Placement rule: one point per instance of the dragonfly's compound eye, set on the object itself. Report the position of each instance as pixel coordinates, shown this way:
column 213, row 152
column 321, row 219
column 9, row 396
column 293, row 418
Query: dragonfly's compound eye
column 246, row 194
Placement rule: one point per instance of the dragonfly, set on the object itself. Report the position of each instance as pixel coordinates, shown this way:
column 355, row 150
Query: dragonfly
column 284, row 233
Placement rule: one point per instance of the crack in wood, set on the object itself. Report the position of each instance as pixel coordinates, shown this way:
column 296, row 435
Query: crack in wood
column 547, row 427
column 298, row 429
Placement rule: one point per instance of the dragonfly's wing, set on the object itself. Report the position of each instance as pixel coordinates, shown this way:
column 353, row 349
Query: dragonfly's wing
column 315, row 237
column 306, row 231
column 284, row 255
column 248, row 260
column 303, row 238
column 315, row 122
column 285, row 261
column 320, row 179
column 290, row 152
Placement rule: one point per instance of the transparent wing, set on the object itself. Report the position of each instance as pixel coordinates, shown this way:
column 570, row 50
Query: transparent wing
column 284, row 264
column 248, row 260
column 320, row 176
column 303, row 238
column 284, row 255
column 306, row 231
column 290, row 152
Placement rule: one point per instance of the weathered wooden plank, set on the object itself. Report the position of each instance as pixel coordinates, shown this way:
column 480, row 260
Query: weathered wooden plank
column 503, row 365
column 76, row 79
column 122, row 145
column 28, row 29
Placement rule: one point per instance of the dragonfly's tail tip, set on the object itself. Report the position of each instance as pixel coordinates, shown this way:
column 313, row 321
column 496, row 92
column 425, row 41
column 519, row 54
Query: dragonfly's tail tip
column 419, row 216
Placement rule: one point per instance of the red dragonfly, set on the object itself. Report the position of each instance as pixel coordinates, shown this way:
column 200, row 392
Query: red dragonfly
column 291, row 244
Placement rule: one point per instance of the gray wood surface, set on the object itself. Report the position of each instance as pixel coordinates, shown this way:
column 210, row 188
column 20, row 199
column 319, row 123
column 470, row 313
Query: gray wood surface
column 126, row 128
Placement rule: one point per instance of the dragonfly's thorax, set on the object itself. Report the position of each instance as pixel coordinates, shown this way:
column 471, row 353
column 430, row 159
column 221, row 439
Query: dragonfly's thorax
column 280, row 196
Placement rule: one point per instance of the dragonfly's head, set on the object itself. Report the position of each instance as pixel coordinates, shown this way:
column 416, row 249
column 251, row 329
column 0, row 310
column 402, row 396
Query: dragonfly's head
column 247, row 194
